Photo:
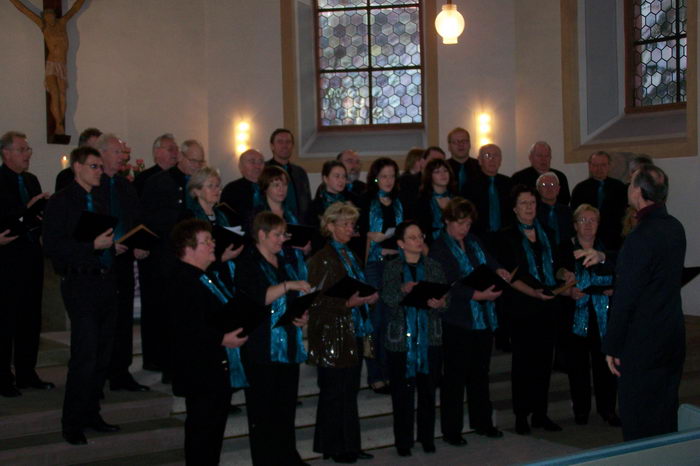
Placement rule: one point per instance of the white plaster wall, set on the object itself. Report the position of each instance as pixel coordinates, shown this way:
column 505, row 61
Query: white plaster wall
column 135, row 69
column 478, row 75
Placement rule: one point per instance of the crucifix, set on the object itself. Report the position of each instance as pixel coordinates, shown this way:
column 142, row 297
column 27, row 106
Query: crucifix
column 53, row 26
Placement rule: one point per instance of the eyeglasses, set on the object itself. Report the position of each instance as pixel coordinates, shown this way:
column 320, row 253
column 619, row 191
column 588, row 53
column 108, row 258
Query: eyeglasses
column 195, row 161
column 23, row 150
column 544, row 184
column 208, row 242
column 490, row 156
column 460, row 141
column 415, row 238
column 584, row 220
column 95, row 166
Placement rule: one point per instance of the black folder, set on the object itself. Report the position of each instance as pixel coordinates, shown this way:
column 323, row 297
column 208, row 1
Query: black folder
column 29, row 220
column 297, row 307
column 300, row 235
column 534, row 283
column 348, row 286
column 597, row 289
column 689, row 273
column 14, row 224
column 139, row 237
column 91, row 225
column 225, row 238
column 243, row 312
column 422, row 292
column 482, row 278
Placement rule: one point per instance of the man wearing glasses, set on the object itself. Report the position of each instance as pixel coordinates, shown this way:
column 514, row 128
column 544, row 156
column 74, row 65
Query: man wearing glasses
column 541, row 162
column 464, row 167
column 550, row 212
column 164, row 202
column 22, row 271
column 88, row 287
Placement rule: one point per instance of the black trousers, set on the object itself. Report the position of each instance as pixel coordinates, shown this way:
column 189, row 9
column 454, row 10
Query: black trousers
column 403, row 398
column 337, row 419
column 467, row 362
column 91, row 305
column 649, row 400
column 122, row 354
column 533, row 335
column 584, row 355
column 271, row 402
column 205, row 426
column 21, row 287
column 152, row 337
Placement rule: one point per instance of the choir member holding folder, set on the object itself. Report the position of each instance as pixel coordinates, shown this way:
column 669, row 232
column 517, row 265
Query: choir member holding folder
column 273, row 353
column 202, row 370
column 338, row 329
column 531, row 248
column 591, row 299
column 468, row 323
column 414, row 337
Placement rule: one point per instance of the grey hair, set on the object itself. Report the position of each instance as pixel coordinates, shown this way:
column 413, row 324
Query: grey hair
column 200, row 177
column 540, row 143
column 544, row 175
column 9, row 138
column 103, row 141
column 159, row 139
column 653, row 182
column 189, row 143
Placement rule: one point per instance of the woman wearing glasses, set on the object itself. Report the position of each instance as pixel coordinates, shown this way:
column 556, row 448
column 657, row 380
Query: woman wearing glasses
column 413, row 340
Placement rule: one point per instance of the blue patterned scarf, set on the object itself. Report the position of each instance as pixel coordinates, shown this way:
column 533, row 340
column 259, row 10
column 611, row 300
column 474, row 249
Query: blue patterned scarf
column 376, row 223
column 600, row 302
column 363, row 327
column 416, row 325
column 547, row 261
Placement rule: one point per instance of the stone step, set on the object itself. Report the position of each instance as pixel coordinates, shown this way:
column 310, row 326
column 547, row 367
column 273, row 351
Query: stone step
column 39, row 411
column 155, row 435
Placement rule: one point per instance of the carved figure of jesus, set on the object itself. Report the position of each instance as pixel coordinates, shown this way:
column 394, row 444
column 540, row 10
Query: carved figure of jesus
column 56, row 39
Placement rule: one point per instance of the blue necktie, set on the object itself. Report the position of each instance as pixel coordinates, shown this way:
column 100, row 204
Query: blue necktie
column 105, row 257
column 23, row 193
column 462, row 176
column 601, row 193
column 494, row 206
column 554, row 223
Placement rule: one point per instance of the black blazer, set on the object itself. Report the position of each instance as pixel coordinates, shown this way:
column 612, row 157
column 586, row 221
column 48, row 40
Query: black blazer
column 200, row 362
column 565, row 219
column 302, row 189
column 11, row 206
column 164, row 201
column 60, row 219
column 480, row 197
column 473, row 170
column 239, row 196
column 646, row 327
column 141, row 179
column 127, row 197
column 612, row 210
column 528, row 176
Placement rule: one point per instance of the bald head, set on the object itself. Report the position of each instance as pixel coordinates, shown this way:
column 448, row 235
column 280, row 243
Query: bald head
column 250, row 164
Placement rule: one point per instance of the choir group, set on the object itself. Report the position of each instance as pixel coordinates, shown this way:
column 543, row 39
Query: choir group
column 414, row 272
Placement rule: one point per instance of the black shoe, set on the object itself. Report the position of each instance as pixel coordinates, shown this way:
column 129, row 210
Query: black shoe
column 74, row 437
column 545, row 423
column 403, row 451
column 428, row 447
column 612, row 419
column 521, row 425
column 35, row 383
column 9, row 391
column 233, row 409
column 455, row 441
column 128, row 385
column 153, row 367
column 381, row 390
column 166, row 378
column 581, row 419
column 490, row 432
column 100, row 425
column 363, row 455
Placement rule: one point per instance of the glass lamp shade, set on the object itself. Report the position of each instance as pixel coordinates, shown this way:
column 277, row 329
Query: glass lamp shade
column 449, row 23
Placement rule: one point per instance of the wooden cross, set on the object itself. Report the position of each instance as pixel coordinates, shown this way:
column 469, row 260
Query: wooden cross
column 51, row 137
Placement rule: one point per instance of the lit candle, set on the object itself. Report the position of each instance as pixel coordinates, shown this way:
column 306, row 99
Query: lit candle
column 64, row 161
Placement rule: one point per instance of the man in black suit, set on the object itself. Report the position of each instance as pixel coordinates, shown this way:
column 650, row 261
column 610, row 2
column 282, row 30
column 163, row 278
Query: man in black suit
column 123, row 203
column 165, row 152
column 87, row 138
column 242, row 194
column 491, row 194
column 541, row 162
column 164, row 202
column 299, row 193
column 556, row 216
column 88, row 287
column 351, row 160
column 465, row 168
column 645, row 339
column 609, row 195
column 21, row 269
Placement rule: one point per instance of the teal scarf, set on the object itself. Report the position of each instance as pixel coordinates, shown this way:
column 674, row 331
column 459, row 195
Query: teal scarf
column 547, row 261
column 416, row 326
column 363, row 327
column 376, row 223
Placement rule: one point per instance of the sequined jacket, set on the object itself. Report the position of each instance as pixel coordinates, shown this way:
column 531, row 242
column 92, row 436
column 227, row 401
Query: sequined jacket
column 331, row 333
column 392, row 296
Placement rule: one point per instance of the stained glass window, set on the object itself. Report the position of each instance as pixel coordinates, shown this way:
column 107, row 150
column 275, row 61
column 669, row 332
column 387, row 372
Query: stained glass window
column 369, row 62
column 659, row 51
